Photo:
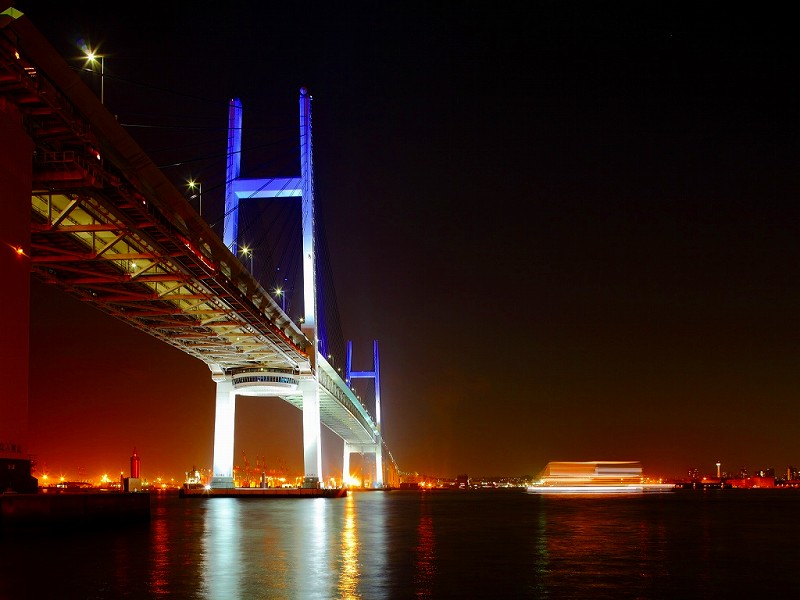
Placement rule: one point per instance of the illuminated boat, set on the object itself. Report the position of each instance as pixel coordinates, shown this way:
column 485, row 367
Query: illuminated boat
column 595, row 477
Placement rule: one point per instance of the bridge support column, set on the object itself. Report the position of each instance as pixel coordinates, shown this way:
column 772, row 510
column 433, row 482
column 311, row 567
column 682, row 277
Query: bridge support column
column 379, row 464
column 224, row 425
column 312, row 447
column 346, row 466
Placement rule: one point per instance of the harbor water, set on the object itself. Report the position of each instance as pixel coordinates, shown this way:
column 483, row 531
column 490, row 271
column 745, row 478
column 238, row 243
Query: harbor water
column 439, row 544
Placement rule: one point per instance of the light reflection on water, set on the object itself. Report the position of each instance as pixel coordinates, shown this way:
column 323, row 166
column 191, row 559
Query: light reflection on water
column 221, row 555
column 497, row 544
column 349, row 572
column 159, row 556
column 596, row 544
column 290, row 548
column 540, row 554
column 314, row 574
column 425, row 564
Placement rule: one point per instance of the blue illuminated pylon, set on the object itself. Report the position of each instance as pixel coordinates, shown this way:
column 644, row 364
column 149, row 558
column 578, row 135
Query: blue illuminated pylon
column 231, row 219
column 237, row 189
column 374, row 374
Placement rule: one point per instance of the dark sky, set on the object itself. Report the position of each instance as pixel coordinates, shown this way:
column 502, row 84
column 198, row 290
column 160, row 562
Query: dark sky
column 572, row 230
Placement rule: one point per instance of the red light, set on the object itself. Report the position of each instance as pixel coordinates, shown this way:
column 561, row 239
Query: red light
column 19, row 250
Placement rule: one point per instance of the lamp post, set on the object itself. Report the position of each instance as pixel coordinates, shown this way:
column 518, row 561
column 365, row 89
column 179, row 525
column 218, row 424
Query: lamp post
column 196, row 184
column 282, row 295
column 249, row 252
column 93, row 58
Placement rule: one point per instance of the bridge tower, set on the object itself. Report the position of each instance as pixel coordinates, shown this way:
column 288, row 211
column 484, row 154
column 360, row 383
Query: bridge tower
column 301, row 187
column 377, row 447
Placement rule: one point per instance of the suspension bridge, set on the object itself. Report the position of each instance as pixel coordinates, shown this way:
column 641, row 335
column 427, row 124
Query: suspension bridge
column 95, row 216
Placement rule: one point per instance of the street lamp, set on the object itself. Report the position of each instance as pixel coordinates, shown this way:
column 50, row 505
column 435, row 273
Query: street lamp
column 282, row 295
column 92, row 58
column 249, row 252
column 196, row 184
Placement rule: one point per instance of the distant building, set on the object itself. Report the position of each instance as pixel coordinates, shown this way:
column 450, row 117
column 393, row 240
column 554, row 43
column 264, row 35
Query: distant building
column 752, row 482
column 410, row 485
column 414, row 478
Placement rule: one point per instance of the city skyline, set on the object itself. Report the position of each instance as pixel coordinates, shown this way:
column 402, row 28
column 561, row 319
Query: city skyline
column 572, row 234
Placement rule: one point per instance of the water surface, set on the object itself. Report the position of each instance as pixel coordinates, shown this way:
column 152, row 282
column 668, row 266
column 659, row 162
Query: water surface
column 403, row 544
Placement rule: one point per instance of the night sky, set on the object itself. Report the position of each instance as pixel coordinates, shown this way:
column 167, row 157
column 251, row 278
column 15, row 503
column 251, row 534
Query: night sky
column 572, row 230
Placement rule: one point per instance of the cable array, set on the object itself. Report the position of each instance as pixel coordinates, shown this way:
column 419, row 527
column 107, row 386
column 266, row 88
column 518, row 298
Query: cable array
column 191, row 145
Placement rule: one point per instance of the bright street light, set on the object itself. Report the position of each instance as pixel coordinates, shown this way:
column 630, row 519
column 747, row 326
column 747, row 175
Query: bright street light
column 282, row 295
column 249, row 252
column 93, row 58
column 196, row 184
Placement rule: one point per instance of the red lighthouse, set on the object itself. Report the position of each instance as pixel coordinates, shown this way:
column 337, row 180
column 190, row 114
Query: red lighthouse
column 135, row 465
